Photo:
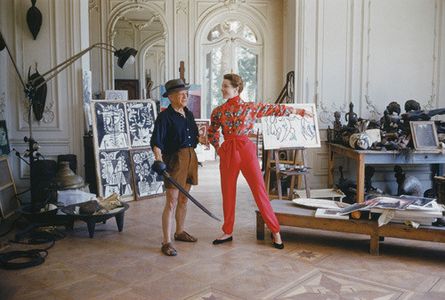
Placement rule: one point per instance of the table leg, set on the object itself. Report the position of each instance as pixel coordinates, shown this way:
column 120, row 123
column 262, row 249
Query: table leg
column 360, row 179
column 374, row 244
column 120, row 221
column 91, row 226
column 330, row 167
column 259, row 226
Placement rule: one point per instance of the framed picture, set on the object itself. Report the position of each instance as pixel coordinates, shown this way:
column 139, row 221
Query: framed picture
column 194, row 101
column 147, row 183
column 8, row 198
column 110, row 125
column 114, row 173
column 204, row 152
column 424, row 135
column 4, row 141
column 141, row 122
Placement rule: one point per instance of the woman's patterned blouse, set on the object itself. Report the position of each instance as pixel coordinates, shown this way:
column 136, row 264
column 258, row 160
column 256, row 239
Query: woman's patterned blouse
column 237, row 117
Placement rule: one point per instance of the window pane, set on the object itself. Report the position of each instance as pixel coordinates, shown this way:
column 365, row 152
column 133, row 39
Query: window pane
column 215, row 33
column 214, row 74
column 248, row 69
column 232, row 26
column 248, row 34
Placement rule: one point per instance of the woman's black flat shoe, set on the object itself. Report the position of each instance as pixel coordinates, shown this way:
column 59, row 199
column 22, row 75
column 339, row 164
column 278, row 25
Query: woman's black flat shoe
column 217, row 242
column 278, row 246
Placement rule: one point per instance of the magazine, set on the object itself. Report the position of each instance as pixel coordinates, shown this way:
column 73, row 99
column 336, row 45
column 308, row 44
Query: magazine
column 378, row 202
column 330, row 214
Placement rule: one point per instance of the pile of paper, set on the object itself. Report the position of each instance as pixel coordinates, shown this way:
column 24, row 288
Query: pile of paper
column 421, row 211
column 415, row 210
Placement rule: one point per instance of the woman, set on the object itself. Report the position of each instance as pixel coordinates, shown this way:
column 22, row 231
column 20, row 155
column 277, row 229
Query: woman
column 238, row 153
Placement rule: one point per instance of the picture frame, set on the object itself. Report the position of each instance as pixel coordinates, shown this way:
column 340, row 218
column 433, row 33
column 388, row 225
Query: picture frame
column 121, row 128
column 424, row 135
column 4, row 140
column 8, row 193
column 204, row 152
column 146, row 182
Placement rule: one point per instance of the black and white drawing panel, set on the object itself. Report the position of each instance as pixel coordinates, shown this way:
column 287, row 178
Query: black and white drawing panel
column 115, row 172
column 141, row 120
column 146, row 181
column 110, row 125
column 292, row 131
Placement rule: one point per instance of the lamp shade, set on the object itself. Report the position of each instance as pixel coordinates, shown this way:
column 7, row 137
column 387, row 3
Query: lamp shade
column 2, row 42
column 125, row 56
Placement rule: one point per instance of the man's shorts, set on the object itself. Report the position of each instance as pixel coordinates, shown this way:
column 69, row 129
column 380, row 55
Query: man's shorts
column 182, row 167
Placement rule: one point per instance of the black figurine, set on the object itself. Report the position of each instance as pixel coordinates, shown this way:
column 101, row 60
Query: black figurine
column 412, row 105
column 351, row 116
column 337, row 126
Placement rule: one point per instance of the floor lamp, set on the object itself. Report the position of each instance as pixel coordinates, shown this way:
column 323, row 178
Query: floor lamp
column 124, row 56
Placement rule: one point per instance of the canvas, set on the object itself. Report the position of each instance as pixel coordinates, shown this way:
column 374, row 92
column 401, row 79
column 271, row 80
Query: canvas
column 146, row 181
column 292, row 131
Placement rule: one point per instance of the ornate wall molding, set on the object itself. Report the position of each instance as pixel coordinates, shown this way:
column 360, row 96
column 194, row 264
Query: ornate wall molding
column 181, row 6
column 2, row 103
column 92, row 5
column 140, row 25
column 372, row 109
column 48, row 113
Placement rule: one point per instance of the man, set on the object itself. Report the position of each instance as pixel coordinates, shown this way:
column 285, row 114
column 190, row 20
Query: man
column 173, row 141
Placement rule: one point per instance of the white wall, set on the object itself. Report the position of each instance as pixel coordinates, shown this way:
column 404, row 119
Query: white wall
column 60, row 131
column 370, row 53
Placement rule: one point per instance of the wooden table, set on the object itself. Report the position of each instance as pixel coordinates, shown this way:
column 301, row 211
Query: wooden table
column 289, row 214
column 364, row 157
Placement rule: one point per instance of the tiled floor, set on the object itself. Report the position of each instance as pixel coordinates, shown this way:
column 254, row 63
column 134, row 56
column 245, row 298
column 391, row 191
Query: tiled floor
column 313, row 265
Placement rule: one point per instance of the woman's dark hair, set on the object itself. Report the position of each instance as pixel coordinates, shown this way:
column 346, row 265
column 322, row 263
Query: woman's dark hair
column 235, row 81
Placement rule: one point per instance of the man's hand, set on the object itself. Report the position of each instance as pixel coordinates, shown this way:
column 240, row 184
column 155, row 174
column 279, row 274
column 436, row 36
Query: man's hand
column 159, row 167
column 203, row 140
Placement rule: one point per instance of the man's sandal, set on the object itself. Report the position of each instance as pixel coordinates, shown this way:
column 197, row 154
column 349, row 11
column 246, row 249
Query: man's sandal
column 185, row 237
column 168, row 249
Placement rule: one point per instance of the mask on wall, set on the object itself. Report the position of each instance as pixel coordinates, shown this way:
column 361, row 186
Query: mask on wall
column 34, row 19
column 38, row 99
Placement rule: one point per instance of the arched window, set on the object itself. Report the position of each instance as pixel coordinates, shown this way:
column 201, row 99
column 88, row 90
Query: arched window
column 230, row 47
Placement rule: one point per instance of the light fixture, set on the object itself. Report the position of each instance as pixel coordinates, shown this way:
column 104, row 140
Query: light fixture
column 31, row 87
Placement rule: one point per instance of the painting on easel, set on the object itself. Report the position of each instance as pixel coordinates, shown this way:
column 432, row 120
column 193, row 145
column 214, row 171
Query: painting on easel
column 292, row 131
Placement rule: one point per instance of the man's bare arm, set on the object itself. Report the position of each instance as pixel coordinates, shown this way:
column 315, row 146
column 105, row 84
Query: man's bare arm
column 157, row 152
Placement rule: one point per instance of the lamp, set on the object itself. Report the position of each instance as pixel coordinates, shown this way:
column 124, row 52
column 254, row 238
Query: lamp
column 31, row 87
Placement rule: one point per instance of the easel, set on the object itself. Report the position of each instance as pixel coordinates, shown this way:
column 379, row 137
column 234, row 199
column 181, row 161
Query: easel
column 297, row 168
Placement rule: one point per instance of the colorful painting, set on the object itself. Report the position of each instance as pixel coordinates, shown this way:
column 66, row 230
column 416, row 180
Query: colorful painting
column 194, row 101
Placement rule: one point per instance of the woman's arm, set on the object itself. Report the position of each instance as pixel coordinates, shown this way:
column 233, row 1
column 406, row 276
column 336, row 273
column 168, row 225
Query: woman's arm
column 267, row 109
column 213, row 131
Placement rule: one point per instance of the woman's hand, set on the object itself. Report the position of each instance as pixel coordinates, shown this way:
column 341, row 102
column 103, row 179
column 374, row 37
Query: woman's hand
column 203, row 140
column 302, row 112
